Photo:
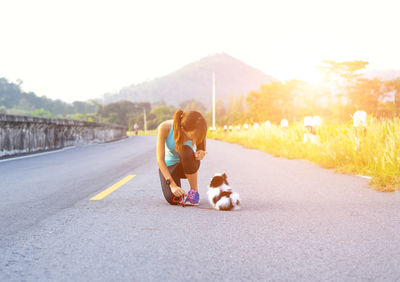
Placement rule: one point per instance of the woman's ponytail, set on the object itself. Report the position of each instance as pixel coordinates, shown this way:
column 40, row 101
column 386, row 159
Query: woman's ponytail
column 178, row 134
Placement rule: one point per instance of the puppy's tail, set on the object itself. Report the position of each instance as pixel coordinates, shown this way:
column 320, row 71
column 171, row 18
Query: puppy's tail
column 235, row 199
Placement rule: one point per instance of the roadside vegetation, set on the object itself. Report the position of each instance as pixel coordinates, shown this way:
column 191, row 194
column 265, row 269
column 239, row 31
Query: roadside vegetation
column 377, row 156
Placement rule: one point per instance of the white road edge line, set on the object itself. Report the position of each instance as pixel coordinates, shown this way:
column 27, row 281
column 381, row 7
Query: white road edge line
column 113, row 142
column 37, row 154
column 366, row 177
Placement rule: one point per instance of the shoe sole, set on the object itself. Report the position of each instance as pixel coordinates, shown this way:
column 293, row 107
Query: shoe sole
column 190, row 204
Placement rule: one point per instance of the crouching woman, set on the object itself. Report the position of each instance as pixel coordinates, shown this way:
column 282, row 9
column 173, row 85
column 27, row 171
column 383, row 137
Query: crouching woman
column 180, row 148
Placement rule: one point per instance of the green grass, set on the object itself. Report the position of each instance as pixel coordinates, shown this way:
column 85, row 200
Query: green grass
column 141, row 132
column 378, row 155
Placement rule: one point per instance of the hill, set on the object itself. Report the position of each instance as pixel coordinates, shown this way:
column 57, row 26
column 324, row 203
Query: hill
column 194, row 81
column 15, row 101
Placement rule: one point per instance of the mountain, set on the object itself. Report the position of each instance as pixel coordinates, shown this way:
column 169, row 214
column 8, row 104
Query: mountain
column 194, row 81
column 15, row 101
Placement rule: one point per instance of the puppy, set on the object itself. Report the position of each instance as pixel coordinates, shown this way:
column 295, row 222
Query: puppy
column 220, row 194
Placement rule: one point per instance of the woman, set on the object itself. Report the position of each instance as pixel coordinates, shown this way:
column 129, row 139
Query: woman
column 176, row 156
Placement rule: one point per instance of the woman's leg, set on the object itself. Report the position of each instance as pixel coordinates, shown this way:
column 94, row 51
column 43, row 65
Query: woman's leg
column 186, row 168
column 174, row 171
column 190, row 166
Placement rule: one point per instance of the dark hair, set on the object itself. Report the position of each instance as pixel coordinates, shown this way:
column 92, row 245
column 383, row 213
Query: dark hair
column 189, row 121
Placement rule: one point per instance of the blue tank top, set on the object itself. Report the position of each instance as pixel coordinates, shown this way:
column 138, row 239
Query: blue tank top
column 171, row 156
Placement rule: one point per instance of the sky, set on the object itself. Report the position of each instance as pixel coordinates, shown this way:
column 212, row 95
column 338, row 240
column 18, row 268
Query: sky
column 79, row 50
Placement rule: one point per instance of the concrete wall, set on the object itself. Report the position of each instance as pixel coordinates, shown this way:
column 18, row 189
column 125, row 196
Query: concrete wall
column 23, row 134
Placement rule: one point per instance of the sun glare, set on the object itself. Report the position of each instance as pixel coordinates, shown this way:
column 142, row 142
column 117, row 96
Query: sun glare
column 311, row 75
column 305, row 73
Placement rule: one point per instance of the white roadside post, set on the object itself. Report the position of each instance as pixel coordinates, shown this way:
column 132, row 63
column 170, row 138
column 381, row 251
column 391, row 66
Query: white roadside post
column 311, row 125
column 359, row 127
column 267, row 125
column 317, row 124
column 284, row 123
column 308, row 125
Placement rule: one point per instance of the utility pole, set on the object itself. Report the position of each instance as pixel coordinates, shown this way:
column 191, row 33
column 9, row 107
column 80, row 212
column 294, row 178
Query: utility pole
column 145, row 121
column 102, row 107
column 213, row 101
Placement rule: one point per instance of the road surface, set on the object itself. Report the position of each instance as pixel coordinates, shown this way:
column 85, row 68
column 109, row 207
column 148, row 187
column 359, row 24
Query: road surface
column 298, row 222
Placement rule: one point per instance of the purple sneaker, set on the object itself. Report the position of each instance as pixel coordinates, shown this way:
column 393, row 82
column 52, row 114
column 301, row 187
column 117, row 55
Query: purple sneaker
column 193, row 198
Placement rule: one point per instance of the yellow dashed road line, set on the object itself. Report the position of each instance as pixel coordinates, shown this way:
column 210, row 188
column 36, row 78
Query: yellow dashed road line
column 111, row 189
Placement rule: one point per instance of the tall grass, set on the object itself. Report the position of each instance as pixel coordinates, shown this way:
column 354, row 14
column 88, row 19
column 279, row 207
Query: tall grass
column 377, row 156
column 142, row 132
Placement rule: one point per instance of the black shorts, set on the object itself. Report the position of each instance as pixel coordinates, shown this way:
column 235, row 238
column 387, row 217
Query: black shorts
column 187, row 165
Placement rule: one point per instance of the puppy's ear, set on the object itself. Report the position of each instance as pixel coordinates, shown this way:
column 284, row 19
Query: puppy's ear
column 225, row 178
column 216, row 181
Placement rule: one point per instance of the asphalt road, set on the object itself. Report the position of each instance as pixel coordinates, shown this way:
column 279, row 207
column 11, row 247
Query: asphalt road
column 298, row 222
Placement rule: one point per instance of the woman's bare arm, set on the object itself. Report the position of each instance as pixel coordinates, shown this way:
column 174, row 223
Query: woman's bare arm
column 162, row 134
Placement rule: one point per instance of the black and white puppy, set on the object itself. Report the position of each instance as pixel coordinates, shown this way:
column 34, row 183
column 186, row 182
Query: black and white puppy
column 220, row 194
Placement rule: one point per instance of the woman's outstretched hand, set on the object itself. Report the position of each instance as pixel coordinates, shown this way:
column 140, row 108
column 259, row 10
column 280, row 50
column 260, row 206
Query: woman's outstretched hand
column 199, row 155
column 177, row 191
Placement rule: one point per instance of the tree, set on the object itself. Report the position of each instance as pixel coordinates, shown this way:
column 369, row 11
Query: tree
column 158, row 115
column 79, row 116
column 220, row 109
column 113, row 118
column 394, row 86
column 192, row 105
column 366, row 94
column 99, row 110
column 3, row 110
column 42, row 113
column 24, row 104
column 342, row 79
column 123, row 112
column 236, row 110
column 342, row 76
column 9, row 93
column 273, row 101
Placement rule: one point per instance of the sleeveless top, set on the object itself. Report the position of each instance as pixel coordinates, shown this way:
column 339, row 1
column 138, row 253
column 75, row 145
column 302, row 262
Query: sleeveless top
column 171, row 156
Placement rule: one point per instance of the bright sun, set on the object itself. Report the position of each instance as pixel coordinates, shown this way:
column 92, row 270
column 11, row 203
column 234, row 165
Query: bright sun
column 305, row 73
column 312, row 75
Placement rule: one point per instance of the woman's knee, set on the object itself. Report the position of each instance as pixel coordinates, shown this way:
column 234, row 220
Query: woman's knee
column 189, row 162
column 187, row 153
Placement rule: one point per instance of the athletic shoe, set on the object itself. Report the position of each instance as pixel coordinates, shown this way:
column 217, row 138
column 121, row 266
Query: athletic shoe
column 193, row 198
